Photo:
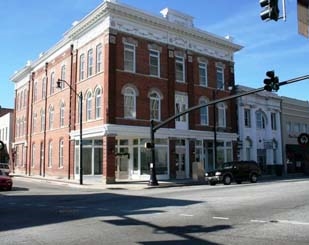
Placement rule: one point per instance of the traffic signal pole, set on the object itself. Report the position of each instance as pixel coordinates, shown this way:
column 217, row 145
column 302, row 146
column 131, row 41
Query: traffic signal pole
column 153, row 128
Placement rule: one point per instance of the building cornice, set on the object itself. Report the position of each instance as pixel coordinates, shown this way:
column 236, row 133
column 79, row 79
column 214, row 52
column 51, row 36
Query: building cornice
column 136, row 22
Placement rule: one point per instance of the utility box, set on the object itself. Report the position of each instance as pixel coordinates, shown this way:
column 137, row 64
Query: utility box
column 198, row 171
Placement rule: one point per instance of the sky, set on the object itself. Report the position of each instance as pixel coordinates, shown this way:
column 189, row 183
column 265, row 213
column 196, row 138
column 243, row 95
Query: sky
column 28, row 28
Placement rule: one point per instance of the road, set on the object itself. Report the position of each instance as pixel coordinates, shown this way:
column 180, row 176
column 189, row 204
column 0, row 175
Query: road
column 274, row 212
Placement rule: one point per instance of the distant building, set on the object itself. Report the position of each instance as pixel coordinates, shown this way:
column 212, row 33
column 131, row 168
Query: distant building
column 295, row 120
column 259, row 128
column 131, row 67
column 6, row 128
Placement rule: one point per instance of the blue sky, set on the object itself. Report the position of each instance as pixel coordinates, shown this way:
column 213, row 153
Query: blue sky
column 33, row 26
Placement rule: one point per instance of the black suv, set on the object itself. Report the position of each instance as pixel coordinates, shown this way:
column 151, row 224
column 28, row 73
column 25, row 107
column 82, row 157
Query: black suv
column 234, row 171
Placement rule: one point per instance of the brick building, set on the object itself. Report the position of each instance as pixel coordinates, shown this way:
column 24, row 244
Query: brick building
column 130, row 67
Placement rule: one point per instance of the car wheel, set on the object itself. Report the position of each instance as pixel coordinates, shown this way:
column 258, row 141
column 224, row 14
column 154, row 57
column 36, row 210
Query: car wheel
column 212, row 182
column 227, row 180
column 253, row 178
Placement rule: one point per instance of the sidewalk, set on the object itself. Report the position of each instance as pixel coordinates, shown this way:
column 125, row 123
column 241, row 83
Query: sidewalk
column 89, row 183
column 96, row 183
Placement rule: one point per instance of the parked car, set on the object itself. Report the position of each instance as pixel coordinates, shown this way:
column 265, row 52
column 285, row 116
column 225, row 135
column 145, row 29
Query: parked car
column 237, row 171
column 6, row 181
column 4, row 167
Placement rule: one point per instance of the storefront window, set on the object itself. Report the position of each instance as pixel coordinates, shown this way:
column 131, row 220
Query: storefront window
column 161, row 160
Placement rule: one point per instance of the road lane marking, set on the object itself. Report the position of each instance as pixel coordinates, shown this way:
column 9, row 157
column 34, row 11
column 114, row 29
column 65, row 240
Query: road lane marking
column 222, row 218
column 187, row 215
column 258, row 221
column 293, row 222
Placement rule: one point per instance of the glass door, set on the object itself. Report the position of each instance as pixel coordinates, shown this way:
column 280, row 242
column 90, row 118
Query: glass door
column 122, row 163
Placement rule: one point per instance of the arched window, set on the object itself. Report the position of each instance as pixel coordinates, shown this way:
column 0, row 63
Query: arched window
column 98, row 103
column 61, row 153
column 129, row 103
column 221, row 115
column 62, row 114
column 42, row 120
column 155, row 106
column 35, row 91
column 44, row 88
column 51, row 117
column 62, row 77
column 33, row 155
column 203, row 112
column 88, row 106
column 52, row 83
column 90, row 63
column 99, row 58
column 261, row 119
column 50, row 154
column 81, row 67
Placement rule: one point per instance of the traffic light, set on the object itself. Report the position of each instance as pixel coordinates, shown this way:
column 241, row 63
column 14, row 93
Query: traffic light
column 1, row 145
column 271, row 82
column 270, row 11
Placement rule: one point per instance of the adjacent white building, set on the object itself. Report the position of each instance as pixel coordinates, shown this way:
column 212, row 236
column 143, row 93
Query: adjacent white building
column 6, row 127
column 259, row 128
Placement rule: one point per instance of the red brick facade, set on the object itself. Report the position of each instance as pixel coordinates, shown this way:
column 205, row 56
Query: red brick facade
column 38, row 144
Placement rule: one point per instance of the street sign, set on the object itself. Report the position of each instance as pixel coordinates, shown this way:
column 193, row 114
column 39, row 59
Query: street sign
column 303, row 139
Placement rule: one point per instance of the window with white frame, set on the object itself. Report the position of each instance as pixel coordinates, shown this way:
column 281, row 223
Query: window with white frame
column 81, row 67
column 62, row 114
column 34, row 118
column 181, row 105
column 52, row 83
column 90, row 63
column 25, row 101
column 62, row 76
column 50, row 154
column 203, row 112
column 42, row 120
column 296, row 127
column 247, row 117
column 260, row 120
column 44, row 88
column 129, row 103
column 221, row 115
column 154, row 63
column 203, row 74
column 51, row 117
column 129, row 57
column 220, row 76
column 35, row 91
column 155, row 106
column 88, row 106
column 61, row 153
column 288, row 127
column 273, row 121
column 180, row 69
column 33, row 155
column 99, row 58
column 98, row 101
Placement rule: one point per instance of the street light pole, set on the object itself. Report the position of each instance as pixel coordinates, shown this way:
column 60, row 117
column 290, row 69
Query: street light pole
column 80, row 96
column 153, row 176
column 215, row 128
column 80, row 138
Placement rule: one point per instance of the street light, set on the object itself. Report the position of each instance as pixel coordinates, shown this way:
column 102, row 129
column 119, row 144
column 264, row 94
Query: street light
column 80, row 96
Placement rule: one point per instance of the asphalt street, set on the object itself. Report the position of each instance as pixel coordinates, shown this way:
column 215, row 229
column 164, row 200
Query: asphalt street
column 274, row 212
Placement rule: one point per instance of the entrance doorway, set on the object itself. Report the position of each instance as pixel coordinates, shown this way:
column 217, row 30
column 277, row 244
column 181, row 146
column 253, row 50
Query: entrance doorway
column 122, row 163
column 180, row 158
